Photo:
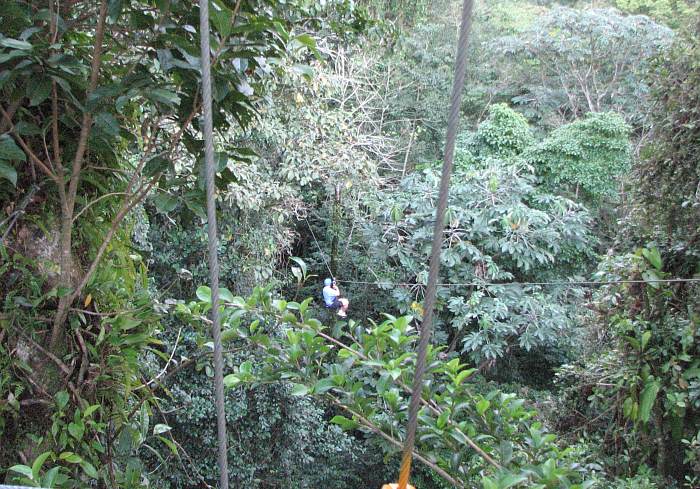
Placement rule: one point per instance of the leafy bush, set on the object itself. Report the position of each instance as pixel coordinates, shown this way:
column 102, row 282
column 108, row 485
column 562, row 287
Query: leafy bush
column 366, row 372
column 586, row 157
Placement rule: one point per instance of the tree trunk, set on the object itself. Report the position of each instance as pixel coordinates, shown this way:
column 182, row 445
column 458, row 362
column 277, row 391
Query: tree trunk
column 65, row 281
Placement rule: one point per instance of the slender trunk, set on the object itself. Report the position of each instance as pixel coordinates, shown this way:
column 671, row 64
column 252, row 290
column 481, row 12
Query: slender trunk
column 65, row 278
column 68, row 196
column 661, row 458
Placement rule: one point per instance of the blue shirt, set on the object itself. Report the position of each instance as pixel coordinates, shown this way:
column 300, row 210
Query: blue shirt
column 329, row 295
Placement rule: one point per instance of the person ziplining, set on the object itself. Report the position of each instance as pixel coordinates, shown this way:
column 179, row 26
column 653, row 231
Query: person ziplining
column 332, row 299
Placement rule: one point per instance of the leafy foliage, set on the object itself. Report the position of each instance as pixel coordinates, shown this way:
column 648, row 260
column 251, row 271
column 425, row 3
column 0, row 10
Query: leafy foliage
column 669, row 174
column 578, row 61
column 365, row 373
column 587, row 156
column 99, row 113
column 648, row 382
column 500, row 228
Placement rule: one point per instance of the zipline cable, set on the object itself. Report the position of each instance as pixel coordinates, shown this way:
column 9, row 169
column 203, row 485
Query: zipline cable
column 434, row 270
column 559, row 283
column 319, row 248
column 572, row 283
column 208, row 134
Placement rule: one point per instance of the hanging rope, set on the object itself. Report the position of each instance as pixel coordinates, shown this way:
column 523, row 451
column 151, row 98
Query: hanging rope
column 319, row 248
column 213, row 241
column 452, row 124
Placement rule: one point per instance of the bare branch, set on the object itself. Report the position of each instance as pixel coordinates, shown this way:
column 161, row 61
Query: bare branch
column 90, row 204
column 32, row 156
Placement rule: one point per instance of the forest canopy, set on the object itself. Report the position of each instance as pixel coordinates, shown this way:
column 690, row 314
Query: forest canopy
column 565, row 350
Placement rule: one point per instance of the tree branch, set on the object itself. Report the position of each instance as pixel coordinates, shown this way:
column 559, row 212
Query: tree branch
column 397, row 443
column 126, row 208
column 86, row 124
column 11, row 128
column 90, row 204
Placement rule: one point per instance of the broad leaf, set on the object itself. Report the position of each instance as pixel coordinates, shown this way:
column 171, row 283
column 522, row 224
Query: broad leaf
column 9, row 150
column 345, row 423
column 646, row 400
column 299, row 390
column 8, row 173
column 24, row 470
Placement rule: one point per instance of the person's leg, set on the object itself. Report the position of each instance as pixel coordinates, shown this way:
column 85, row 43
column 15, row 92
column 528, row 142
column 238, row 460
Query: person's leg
column 340, row 306
column 344, row 303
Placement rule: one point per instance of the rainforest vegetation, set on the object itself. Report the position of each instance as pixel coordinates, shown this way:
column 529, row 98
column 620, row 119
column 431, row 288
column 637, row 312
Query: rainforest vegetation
column 566, row 342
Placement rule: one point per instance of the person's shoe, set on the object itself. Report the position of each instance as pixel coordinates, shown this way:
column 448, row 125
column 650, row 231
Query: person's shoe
column 342, row 314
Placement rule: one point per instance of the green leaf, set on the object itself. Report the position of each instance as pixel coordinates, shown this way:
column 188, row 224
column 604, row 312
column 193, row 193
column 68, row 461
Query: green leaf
column 8, row 173
column 627, row 407
column 246, row 367
column 646, row 400
column 305, row 70
column 299, row 390
column 61, row 399
column 225, row 295
column 652, row 278
column 488, row 483
column 204, row 294
column 70, row 457
column 509, row 480
column 107, row 123
column 232, row 380
column 89, row 469
column 38, row 462
column 5, row 57
column 164, row 202
column 90, row 409
column 40, row 92
column 345, row 423
column 463, row 375
column 24, row 470
column 50, row 478
column 646, row 336
column 9, row 150
column 222, row 18
column 27, row 129
column 300, row 262
column 306, row 40
column 324, row 385
column 632, row 341
column 157, row 164
column 164, row 96
column 169, row 443
column 482, row 406
column 653, row 257
column 14, row 44
column 76, row 430
column 114, row 9
column 395, row 336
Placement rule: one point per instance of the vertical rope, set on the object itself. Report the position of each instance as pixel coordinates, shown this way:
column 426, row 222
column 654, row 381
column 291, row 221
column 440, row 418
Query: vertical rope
column 213, row 241
column 433, row 275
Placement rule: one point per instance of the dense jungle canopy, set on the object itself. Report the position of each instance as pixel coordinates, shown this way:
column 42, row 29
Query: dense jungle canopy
column 566, row 343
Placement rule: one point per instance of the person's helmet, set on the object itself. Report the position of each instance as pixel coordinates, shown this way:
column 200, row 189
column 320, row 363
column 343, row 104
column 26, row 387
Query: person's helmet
column 327, row 282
